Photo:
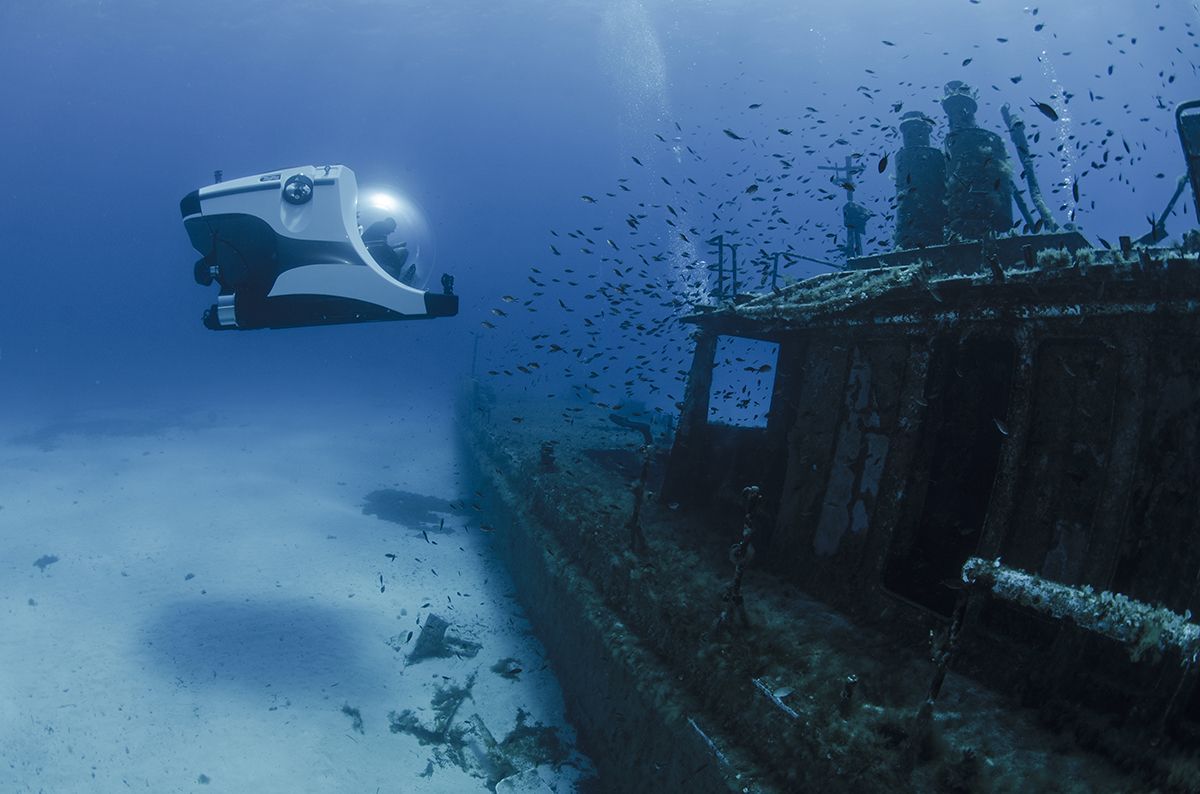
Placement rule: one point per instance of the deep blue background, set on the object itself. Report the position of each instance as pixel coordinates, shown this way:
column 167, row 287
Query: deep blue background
column 495, row 117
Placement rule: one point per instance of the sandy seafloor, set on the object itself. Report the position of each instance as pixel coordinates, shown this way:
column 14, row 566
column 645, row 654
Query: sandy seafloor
column 216, row 603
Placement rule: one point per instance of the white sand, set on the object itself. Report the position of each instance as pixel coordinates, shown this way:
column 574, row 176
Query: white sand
column 118, row 672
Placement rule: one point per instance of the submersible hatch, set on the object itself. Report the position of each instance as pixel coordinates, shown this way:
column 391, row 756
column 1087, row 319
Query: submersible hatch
column 294, row 248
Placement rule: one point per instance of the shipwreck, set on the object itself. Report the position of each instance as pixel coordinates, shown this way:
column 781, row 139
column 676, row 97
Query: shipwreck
column 955, row 550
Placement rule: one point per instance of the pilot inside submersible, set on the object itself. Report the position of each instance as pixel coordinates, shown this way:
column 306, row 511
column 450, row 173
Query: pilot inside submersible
column 391, row 258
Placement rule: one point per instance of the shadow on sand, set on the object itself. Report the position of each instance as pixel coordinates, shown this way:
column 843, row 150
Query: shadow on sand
column 409, row 509
column 280, row 643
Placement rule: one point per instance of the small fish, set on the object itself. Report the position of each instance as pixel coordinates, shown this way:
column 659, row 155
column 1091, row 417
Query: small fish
column 486, row 324
column 1075, row 190
column 1003, row 428
column 752, row 189
column 889, row 43
column 639, row 162
column 734, row 135
column 782, row 131
column 966, row 62
column 756, row 106
column 588, row 199
column 1044, row 109
column 425, row 535
column 883, row 163
column 391, row 557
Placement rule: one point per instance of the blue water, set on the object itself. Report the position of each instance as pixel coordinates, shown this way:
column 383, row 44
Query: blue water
column 496, row 118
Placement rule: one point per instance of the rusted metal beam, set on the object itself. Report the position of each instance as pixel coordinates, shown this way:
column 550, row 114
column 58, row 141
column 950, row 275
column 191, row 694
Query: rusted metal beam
column 1135, row 624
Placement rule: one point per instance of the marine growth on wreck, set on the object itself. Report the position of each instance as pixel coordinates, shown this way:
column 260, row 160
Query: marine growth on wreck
column 938, row 490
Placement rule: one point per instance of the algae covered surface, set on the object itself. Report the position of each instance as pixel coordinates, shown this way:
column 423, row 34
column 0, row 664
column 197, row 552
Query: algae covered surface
column 769, row 699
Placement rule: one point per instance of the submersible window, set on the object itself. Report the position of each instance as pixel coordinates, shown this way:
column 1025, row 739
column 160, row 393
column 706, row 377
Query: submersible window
column 298, row 189
column 742, row 382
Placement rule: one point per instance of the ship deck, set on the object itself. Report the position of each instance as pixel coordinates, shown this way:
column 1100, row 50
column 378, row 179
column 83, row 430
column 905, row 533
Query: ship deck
column 663, row 701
